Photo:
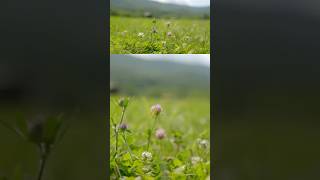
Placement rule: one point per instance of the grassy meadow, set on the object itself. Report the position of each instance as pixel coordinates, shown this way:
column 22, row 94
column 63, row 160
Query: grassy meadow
column 180, row 150
column 138, row 35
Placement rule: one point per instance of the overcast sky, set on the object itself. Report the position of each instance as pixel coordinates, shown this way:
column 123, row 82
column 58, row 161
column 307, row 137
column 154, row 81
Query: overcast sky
column 192, row 59
column 187, row 2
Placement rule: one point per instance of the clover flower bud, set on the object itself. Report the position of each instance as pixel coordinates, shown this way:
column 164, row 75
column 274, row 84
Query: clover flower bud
column 123, row 126
column 156, row 109
column 168, row 24
column 146, row 155
column 154, row 30
column 160, row 133
column 36, row 128
column 123, row 102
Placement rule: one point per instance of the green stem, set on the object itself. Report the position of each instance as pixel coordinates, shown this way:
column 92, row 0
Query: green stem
column 126, row 143
column 117, row 169
column 117, row 129
column 151, row 131
column 43, row 159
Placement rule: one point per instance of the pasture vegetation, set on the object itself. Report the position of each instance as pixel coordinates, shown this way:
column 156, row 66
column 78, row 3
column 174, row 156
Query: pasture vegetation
column 159, row 138
column 136, row 35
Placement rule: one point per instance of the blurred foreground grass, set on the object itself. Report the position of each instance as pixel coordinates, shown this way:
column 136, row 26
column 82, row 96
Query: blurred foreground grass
column 80, row 155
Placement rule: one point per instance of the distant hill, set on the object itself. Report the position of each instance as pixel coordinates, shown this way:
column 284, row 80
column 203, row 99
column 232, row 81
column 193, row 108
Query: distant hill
column 133, row 76
column 140, row 7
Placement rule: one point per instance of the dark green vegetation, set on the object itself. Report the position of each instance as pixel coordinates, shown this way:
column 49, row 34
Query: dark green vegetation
column 132, row 76
column 79, row 154
column 140, row 7
column 41, row 131
column 184, row 151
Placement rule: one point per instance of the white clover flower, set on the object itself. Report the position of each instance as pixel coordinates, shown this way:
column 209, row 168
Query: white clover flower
column 124, row 32
column 203, row 143
column 138, row 178
column 196, row 159
column 146, row 155
column 169, row 33
column 141, row 34
column 180, row 169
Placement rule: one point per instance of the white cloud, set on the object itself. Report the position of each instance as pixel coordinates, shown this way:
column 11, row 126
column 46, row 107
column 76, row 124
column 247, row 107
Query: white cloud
column 186, row 2
column 192, row 59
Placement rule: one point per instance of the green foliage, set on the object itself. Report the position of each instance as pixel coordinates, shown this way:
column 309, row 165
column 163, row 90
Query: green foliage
column 41, row 131
column 177, row 156
column 144, row 36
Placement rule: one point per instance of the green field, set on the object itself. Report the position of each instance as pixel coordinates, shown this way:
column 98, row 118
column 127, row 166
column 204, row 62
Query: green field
column 159, row 36
column 179, row 155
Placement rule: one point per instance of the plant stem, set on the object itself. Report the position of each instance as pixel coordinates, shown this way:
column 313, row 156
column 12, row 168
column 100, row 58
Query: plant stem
column 117, row 129
column 117, row 169
column 43, row 160
column 125, row 141
column 150, row 132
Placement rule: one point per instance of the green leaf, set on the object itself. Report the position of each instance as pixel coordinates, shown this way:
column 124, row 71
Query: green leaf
column 17, row 174
column 11, row 128
column 22, row 125
column 51, row 129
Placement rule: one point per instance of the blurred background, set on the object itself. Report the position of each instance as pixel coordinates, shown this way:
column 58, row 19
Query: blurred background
column 52, row 61
column 266, row 89
column 161, row 8
column 160, row 76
